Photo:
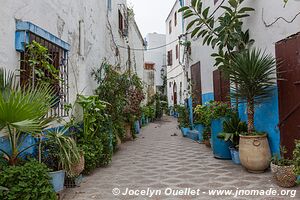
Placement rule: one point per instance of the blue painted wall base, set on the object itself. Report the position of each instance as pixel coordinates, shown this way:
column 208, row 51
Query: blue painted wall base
column 266, row 119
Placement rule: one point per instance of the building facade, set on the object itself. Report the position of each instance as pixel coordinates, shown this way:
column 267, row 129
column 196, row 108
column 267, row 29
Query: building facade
column 79, row 36
column 174, row 57
column 86, row 31
column 155, row 57
column 274, row 28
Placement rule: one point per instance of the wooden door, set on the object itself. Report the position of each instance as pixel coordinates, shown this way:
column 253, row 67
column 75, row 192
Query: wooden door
column 288, row 69
column 221, row 86
column 196, row 84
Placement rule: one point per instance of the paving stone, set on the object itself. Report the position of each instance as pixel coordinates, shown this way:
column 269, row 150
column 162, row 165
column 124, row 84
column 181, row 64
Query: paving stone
column 157, row 160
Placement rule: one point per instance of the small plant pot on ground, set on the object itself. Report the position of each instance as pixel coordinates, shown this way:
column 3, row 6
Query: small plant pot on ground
column 137, row 127
column 207, row 143
column 220, row 147
column 184, row 131
column 235, row 155
column 255, row 154
column 58, row 180
column 128, row 133
column 284, row 175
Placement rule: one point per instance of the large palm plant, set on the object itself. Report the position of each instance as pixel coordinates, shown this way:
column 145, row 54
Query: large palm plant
column 22, row 111
column 254, row 72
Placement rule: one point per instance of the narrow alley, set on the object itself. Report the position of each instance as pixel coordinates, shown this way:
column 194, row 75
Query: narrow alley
column 161, row 158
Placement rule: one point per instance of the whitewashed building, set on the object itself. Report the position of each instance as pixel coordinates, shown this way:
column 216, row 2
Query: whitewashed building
column 79, row 33
column 155, row 56
column 275, row 29
column 174, row 57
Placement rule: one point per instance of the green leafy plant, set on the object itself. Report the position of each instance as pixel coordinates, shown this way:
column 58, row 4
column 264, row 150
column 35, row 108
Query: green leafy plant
column 219, row 109
column 296, row 158
column 61, row 151
column 96, row 139
column 280, row 160
column 30, row 181
column 3, row 188
column 123, row 91
column 254, row 72
column 224, row 31
column 40, row 62
column 202, row 115
column 92, row 151
column 22, row 112
column 232, row 128
column 183, row 118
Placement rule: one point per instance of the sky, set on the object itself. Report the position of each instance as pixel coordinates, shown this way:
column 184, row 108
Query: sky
column 150, row 15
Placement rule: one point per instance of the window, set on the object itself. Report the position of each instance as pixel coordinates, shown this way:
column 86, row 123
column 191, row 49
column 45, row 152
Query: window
column 59, row 59
column 177, row 51
column 149, row 66
column 170, row 58
column 121, row 22
column 175, row 19
column 170, row 26
column 109, row 5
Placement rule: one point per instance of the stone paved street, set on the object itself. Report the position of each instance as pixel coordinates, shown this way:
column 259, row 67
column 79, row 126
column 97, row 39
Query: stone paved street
column 158, row 160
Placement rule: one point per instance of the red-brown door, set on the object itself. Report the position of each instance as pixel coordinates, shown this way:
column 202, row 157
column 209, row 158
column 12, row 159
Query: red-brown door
column 196, row 84
column 287, row 54
column 221, row 86
column 175, row 93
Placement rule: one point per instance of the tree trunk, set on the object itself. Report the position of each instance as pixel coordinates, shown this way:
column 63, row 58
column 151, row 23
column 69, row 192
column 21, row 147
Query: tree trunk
column 250, row 114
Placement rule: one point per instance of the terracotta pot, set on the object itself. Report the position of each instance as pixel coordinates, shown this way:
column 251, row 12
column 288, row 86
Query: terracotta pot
column 255, row 154
column 284, row 175
column 77, row 168
column 128, row 133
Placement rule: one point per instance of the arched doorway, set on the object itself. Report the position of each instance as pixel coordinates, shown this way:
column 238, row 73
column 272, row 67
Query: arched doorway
column 175, row 93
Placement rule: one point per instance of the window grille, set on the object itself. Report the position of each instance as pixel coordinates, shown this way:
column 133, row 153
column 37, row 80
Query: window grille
column 59, row 59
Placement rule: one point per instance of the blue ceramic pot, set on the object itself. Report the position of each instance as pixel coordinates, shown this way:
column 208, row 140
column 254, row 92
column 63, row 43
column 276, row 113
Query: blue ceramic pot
column 137, row 127
column 184, row 131
column 200, row 129
column 220, row 147
column 57, row 180
column 235, row 155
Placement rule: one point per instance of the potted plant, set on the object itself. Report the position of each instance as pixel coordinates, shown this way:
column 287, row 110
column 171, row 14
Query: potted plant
column 22, row 114
column 296, row 158
column 283, row 170
column 232, row 128
column 183, row 120
column 207, row 137
column 202, row 121
column 60, row 155
column 219, row 113
column 253, row 72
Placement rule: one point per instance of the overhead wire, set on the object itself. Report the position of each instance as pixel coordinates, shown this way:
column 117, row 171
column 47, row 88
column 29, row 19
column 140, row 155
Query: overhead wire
column 145, row 49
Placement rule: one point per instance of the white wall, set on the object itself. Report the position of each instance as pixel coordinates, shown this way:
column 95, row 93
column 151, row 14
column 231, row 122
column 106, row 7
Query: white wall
column 62, row 18
column 265, row 37
column 174, row 72
column 156, row 56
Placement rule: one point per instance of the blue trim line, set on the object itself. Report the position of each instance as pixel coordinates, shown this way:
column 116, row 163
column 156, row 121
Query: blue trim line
column 22, row 36
column 207, row 97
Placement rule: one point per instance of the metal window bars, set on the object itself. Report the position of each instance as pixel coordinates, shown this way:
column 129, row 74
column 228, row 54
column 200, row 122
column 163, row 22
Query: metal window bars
column 59, row 59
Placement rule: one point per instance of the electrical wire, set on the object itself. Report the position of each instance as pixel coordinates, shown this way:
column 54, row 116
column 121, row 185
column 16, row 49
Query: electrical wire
column 154, row 48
